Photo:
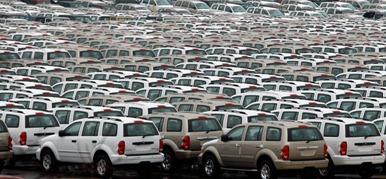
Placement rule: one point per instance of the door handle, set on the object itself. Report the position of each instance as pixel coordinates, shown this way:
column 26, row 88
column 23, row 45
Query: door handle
column 73, row 141
column 237, row 145
column 94, row 141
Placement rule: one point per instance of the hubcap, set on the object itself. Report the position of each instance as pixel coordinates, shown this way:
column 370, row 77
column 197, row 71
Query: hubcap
column 166, row 164
column 209, row 166
column 265, row 172
column 47, row 161
column 101, row 167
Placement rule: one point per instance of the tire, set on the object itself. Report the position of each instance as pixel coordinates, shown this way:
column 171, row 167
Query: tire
column 328, row 172
column 169, row 163
column 211, row 167
column 366, row 173
column 266, row 170
column 2, row 162
column 48, row 161
column 308, row 173
column 103, row 167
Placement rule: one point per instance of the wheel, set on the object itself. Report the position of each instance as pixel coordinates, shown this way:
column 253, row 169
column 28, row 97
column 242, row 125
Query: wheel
column 328, row 172
column 266, row 170
column 169, row 163
column 366, row 172
column 48, row 161
column 211, row 166
column 103, row 166
column 308, row 173
column 2, row 162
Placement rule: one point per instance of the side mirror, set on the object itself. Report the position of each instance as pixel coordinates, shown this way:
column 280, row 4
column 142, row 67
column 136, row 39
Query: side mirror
column 62, row 133
column 224, row 138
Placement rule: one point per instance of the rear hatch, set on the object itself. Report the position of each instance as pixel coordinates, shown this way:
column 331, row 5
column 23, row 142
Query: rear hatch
column 202, row 130
column 39, row 126
column 305, row 143
column 141, row 138
column 363, row 139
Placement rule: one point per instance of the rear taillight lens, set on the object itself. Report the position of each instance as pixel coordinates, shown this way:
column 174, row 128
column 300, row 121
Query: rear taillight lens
column 9, row 142
column 161, row 145
column 325, row 150
column 343, row 148
column 121, row 147
column 382, row 146
column 285, row 153
column 186, row 143
column 23, row 138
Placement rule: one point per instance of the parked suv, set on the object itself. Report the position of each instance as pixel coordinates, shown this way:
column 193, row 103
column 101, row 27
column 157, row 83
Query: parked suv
column 5, row 145
column 353, row 145
column 184, row 133
column 266, row 147
column 106, row 143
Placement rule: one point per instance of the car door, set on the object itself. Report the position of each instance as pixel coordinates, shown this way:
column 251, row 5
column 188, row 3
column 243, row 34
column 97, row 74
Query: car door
column 230, row 149
column 250, row 146
column 88, row 140
column 67, row 145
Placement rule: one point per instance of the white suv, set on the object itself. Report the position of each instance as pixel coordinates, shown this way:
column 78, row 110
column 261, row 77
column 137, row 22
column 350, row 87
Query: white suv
column 353, row 145
column 26, row 128
column 107, row 143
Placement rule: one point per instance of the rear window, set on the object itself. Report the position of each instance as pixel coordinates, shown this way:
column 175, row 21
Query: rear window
column 204, row 125
column 54, row 55
column 139, row 129
column 63, row 104
column 36, row 121
column 108, row 113
column 304, row 134
column 262, row 118
column 361, row 130
column 162, row 109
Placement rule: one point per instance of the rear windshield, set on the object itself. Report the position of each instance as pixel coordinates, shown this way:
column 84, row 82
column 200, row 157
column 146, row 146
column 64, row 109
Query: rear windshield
column 36, row 121
column 361, row 130
column 54, row 55
column 262, row 118
column 62, row 104
column 144, row 53
column 164, row 109
column 201, row 125
column 304, row 134
column 92, row 54
column 108, row 113
column 9, row 56
column 229, row 107
column 139, row 129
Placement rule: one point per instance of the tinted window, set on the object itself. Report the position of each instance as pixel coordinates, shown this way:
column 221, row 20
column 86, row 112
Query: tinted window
column 304, row 134
column 273, row 134
column 12, row 121
column 139, row 129
column 62, row 116
column 361, row 130
column 158, row 121
column 73, row 129
column 174, row 125
column 41, row 121
column 236, row 134
column 90, row 128
column 200, row 125
column 254, row 133
column 109, row 129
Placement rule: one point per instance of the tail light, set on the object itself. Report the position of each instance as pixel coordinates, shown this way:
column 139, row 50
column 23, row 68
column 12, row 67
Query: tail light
column 121, row 147
column 285, row 153
column 325, row 150
column 343, row 148
column 23, row 138
column 161, row 145
column 382, row 146
column 9, row 142
column 186, row 142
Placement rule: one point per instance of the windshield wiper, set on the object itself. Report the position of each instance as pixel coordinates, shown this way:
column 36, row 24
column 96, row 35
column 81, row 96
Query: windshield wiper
column 147, row 135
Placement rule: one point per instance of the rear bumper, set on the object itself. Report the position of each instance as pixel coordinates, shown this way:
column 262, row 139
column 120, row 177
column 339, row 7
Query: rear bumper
column 358, row 160
column 186, row 154
column 298, row 165
column 128, row 160
column 24, row 150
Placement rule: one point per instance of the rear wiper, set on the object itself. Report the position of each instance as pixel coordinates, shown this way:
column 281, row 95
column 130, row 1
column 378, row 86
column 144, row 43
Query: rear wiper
column 147, row 135
column 309, row 140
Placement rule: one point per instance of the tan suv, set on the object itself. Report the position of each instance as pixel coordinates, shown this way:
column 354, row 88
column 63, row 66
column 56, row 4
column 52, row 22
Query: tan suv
column 5, row 145
column 183, row 135
column 266, row 147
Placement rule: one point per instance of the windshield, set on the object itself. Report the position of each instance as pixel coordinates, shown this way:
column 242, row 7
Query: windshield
column 139, row 129
column 44, row 120
column 203, row 125
column 163, row 109
column 361, row 130
column 347, row 51
column 304, row 134
column 9, row 56
column 238, row 9
column 202, row 6
column 108, row 113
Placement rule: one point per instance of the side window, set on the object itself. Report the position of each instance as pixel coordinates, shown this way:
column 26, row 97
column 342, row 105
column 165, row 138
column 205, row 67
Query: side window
column 273, row 134
column 202, row 108
column 332, row 105
column 331, row 130
column 38, row 55
column 236, row 134
column 174, row 125
column 293, row 116
column 12, row 121
column 39, row 106
column 109, row 129
column 79, row 115
column 379, row 125
column 219, row 117
column 233, row 120
column 27, row 55
column 356, row 114
column 185, row 107
column 254, row 133
column 158, row 121
column 309, row 116
column 73, row 129
column 317, row 124
column 90, row 128
column 135, row 112
column 63, row 116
